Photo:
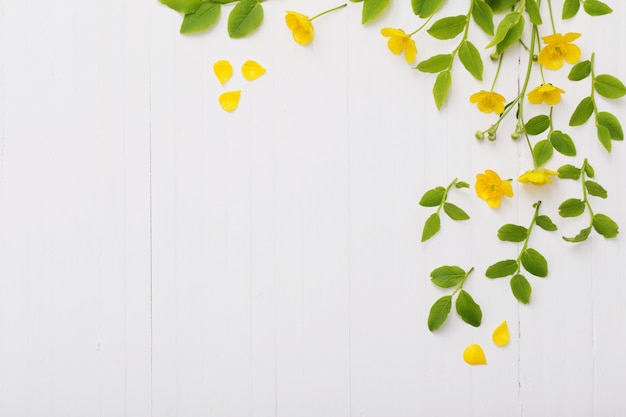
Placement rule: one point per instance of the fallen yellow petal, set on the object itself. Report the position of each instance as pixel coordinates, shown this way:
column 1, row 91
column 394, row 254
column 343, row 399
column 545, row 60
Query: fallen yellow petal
column 501, row 335
column 474, row 355
column 252, row 70
column 229, row 100
column 223, row 71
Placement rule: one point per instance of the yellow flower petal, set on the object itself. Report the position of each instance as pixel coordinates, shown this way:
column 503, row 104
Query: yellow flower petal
column 252, row 70
column 301, row 27
column 501, row 335
column 229, row 100
column 539, row 176
column 491, row 188
column 474, row 355
column 488, row 101
column 399, row 41
column 223, row 70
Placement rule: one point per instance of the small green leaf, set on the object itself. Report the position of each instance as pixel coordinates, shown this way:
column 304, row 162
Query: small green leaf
column 428, row 8
column 436, row 63
column 500, row 5
column 512, row 36
column 595, row 189
column 441, row 87
column 582, row 113
column 532, row 8
column 563, row 143
column 580, row 71
column 596, row 8
column 605, row 226
column 589, row 171
column 570, row 8
column 534, row 262
column 546, row 223
column 447, row 276
column 512, row 233
column 581, row 236
column 431, row 226
column 604, row 136
column 503, row 28
column 462, row 184
column 183, row 6
column 467, row 308
column 206, row 16
column 608, row 86
column 372, row 8
column 433, row 197
column 502, row 269
column 448, row 27
column 417, row 6
column 521, row 288
column 455, row 212
column 439, row 312
column 542, row 152
column 471, row 60
column 245, row 17
column 483, row 16
column 569, row 172
column 537, row 125
column 572, row 207
column 609, row 121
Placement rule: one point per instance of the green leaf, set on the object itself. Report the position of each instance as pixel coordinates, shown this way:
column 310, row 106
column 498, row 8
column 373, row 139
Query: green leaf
column 532, row 8
column 483, row 16
column 572, row 207
column 589, row 170
column 605, row 226
column 512, row 233
column 609, row 121
column 595, row 189
column 604, row 136
column 467, row 308
column 512, row 36
column 500, row 5
column 448, row 27
column 433, row 197
column 569, row 172
column 521, row 288
column 542, row 152
column 447, row 276
column 570, row 8
column 596, row 8
column 503, row 28
column 436, row 63
column 183, row 6
column 455, row 212
column 502, row 269
column 428, row 8
column 546, row 223
column 417, row 6
column 563, row 143
column 245, row 17
column 206, row 16
column 441, row 87
column 462, row 184
column 471, row 60
column 534, row 262
column 581, row 236
column 608, row 86
column 439, row 312
column 537, row 125
column 582, row 113
column 431, row 226
column 580, row 71
column 372, row 8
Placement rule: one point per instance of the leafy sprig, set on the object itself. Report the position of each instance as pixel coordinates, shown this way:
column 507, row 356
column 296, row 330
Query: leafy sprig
column 530, row 259
column 591, row 7
column 437, row 197
column 449, row 277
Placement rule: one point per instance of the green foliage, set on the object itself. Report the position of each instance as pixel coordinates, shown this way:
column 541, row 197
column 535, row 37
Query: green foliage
column 431, row 226
column 447, row 276
column 583, row 112
column 469, row 311
column 502, row 269
column 433, row 198
column 532, row 8
column 537, row 125
column 580, row 71
column 580, row 237
column 441, row 87
column 512, row 233
column 436, row 63
column 245, row 17
column 534, row 262
column 500, row 5
column 437, row 197
column 546, row 223
column 612, row 124
column 572, row 207
column 448, row 27
column 604, row 225
column 483, row 16
column 608, row 86
column 521, row 289
column 471, row 60
column 439, row 312
column 182, row 6
column 467, row 308
column 595, row 189
column 203, row 18
column 596, row 8
column 426, row 8
column 372, row 9
column 542, row 152
column 562, row 142
column 504, row 27
column 570, row 8
column 569, row 172
column 455, row 212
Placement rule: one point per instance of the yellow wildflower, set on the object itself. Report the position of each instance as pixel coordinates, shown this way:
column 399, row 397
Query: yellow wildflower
column 559, row 47
column 301, row 27
column 474, row 355
column 223, row 70
column 488, row 101
column 537, row 176
column 548, row 93
column 230, row 100
column 252, row 70
column 399, row 41
column 491, row 188
column 501, row 335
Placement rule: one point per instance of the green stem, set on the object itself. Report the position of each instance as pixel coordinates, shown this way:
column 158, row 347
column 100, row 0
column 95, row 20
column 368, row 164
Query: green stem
column 427, row 20
column 585, row 199
column 328, row 11
column 551, row 16
column 497, row 71
column 445, row 194
column 593, row 90
column 460, row 287
column 530, row 228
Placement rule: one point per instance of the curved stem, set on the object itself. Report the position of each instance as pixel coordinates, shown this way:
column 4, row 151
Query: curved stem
column 328, row 11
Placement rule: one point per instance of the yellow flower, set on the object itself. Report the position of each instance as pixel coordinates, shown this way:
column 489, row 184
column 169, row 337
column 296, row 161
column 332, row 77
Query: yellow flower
column 230, row 100
column 501, row 335
column 488, row 101
column 252, row 70
column 491, row 188
column 399, row 41
column 223, row 70
column 548, row 93
column 537, row 176
column 474, row 355
column 559, row 47
column 301, row 27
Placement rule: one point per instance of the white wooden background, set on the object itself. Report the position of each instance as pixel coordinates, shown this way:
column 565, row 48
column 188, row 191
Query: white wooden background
column 160, row 257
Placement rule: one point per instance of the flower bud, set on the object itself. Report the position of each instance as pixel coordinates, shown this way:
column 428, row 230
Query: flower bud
column 479, row 134
column 491, row 136
column 494, row 56
column 515, row 135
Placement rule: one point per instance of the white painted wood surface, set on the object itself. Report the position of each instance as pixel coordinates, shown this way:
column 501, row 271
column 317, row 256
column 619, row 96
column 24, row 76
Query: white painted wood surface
column 160, row 257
